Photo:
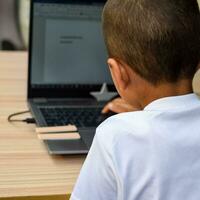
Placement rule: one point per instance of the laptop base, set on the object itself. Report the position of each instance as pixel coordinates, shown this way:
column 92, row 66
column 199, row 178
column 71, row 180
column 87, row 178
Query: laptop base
column 66, row 147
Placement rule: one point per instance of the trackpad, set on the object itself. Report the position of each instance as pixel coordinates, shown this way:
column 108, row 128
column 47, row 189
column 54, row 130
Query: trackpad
column 66, row 147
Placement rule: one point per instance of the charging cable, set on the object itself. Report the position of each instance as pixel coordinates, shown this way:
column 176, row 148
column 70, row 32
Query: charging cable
column 27, row 120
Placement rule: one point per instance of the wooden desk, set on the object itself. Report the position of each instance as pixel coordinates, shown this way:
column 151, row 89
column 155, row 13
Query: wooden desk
column 26, row 169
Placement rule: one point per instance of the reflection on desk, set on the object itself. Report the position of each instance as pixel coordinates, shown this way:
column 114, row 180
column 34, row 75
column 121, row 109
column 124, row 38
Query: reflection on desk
column 26, row 169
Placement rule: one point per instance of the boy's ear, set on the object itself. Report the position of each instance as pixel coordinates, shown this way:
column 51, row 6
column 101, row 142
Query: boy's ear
column 119, row 74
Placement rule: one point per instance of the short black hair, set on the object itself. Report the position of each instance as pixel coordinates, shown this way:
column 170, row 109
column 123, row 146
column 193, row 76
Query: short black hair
column 158, row 39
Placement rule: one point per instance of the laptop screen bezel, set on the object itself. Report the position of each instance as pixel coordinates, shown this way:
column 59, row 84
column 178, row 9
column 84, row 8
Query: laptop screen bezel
column 58, row 91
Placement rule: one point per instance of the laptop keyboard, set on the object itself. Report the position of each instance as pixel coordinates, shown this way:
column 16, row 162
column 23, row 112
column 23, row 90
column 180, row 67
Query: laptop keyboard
column 81, row 117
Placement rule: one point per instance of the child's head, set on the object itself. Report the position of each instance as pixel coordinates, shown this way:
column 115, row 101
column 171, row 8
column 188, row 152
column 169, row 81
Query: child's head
column 158, row 39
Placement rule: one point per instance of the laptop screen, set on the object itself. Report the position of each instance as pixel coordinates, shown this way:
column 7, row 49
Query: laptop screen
column 67, row 47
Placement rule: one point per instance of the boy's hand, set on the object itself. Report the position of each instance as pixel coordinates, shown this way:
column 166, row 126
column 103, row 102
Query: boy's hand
column 118, row 105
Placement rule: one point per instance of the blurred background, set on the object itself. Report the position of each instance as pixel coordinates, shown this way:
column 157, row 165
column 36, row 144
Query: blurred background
column 14, row 23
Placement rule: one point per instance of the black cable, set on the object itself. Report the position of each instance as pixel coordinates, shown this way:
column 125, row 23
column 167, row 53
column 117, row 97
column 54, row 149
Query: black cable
column 27, row 120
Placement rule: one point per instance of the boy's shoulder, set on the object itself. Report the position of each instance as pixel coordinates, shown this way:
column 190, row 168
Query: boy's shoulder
column 127, row 121
column 122, row 126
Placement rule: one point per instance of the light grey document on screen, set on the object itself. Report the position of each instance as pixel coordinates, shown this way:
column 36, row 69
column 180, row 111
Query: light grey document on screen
column 74, row 52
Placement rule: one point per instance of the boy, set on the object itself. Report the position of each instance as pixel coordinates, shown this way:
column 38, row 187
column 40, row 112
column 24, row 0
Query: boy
column 152, row 153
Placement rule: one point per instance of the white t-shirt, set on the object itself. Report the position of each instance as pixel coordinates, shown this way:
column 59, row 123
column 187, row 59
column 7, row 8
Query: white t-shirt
column 152, row 154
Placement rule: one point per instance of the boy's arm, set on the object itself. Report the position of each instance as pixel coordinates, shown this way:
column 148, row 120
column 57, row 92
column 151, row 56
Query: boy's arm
column 97, row 178
column 118, row 105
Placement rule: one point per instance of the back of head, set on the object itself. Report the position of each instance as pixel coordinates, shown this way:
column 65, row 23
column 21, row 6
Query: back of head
column 158, row 39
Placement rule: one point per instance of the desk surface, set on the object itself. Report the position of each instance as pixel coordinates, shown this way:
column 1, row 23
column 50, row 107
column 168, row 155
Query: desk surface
column 26, row 169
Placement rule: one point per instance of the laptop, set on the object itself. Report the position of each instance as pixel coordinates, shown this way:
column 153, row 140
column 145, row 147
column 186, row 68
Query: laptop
column 69, row 81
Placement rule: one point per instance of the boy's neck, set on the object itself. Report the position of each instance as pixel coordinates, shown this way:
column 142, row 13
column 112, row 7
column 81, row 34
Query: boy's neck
column 181, row 87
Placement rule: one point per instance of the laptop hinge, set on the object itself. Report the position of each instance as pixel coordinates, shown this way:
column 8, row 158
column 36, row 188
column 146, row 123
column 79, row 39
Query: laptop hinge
column 40, row 100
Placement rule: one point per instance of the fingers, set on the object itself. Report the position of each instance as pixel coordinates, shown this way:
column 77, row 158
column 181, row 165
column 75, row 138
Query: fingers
column 114, row 107
column 118, row 105
column 108, row 108
column 111, row 106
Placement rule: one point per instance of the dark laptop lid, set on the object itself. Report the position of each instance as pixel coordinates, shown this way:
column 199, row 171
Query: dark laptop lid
column 67, row 55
